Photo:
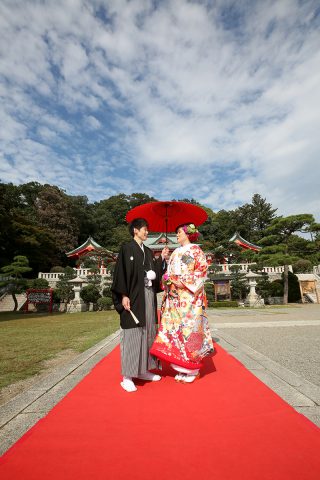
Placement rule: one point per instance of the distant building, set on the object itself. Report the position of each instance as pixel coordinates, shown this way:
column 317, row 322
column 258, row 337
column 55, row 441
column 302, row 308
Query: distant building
column 88, row 246
column 156, row 242
column 241, row 242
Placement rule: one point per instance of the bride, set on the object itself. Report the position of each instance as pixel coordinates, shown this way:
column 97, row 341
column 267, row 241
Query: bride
column 184, row 337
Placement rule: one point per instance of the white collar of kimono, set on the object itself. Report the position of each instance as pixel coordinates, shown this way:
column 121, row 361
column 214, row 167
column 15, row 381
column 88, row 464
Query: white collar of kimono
column 174, row 266
column 185, row 247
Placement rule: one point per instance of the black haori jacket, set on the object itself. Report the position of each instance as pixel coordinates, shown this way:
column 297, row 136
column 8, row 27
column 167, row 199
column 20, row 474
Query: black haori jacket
column 128, row 279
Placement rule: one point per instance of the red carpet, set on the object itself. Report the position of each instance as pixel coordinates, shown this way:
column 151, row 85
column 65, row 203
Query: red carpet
column 227, row 425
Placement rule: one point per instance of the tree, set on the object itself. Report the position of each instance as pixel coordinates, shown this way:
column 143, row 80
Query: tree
column 42, row 222
column 106, row 292
column 110, row 214
column 33, row 241
column 264, row 287
column 54, row 211
column 94, row 278
column 39, row 283
column 302, row 266
column 209, row 230
column 253, row 218
column 82, row 213
column 314, row 230
column 104, row 303
column 224, row 225
column 23, row 232
column 276, row 288
column 278, row 237
column 57, row 269
column 218, row 227
column 248, row 256
column 119, row 236
column 64, row 290
column 228, row 252
column 238, row 283
column 107, row 215
column 9, row 201
column 294, row 293
column 136, row 199
column 209, row 289
column 15, row 283
column 90, row 294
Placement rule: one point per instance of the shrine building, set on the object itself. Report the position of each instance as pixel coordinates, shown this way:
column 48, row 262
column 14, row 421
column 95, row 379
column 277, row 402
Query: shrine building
column 156, row 242
column 241, row 242
column 90, row 246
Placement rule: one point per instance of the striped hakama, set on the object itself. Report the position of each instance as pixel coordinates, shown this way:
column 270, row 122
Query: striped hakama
column 136, row 343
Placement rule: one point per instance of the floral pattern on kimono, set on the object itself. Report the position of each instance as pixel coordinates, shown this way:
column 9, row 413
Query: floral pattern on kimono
column 184, row 336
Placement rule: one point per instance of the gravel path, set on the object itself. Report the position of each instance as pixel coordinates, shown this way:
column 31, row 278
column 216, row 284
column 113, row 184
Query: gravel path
column 296, row 348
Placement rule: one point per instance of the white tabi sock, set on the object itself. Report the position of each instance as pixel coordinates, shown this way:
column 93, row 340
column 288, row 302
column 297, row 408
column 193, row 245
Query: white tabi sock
column 152, row 377
column 189, row 378
column 128, row 385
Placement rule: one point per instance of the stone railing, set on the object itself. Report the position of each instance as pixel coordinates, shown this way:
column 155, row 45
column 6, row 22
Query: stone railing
column 50, row 276
column 316, row 270
column 81, row 272
column 84, row 272
column 245, row 267
column 276, row 269
column 226, row 268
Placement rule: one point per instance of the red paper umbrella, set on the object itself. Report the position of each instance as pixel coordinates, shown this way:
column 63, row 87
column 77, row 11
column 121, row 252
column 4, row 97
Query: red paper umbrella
column 166, row 216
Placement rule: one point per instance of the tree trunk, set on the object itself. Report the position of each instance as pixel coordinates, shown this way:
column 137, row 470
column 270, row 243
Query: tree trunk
column 15, row 301
column 285, row 285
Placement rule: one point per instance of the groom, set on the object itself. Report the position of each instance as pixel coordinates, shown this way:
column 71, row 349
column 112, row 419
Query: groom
column 136, row 281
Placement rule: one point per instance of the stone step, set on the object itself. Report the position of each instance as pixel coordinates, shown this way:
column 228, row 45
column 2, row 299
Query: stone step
column 7, row 303
column 311, row 297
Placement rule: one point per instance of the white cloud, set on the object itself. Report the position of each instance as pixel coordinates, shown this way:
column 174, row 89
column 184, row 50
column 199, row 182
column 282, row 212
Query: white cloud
column 183, row 98
column 93, row 122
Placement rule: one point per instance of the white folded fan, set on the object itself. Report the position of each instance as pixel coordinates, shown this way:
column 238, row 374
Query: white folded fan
column 133, row 316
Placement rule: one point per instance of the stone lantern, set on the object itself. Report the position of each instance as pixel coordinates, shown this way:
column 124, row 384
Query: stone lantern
column 253, row 299
column 77, row 304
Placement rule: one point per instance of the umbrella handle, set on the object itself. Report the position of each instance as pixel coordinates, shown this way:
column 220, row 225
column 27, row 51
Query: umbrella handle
column 166, row 221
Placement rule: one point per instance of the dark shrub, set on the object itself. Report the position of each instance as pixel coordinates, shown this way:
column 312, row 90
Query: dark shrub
column 104, row 303
column 39, row 283
column 90, row 294
column 57, row 269
column 223, row 304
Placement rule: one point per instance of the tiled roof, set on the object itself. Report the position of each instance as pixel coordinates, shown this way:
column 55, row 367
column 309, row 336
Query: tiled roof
column 236, row 238
column 88, row 245
column 155, row 242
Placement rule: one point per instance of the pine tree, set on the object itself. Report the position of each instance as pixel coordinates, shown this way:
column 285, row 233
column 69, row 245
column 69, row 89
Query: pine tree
column 15, row 283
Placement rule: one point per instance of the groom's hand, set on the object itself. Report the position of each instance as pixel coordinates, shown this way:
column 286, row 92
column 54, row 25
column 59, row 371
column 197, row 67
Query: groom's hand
column 126, row 302
column 165, row 254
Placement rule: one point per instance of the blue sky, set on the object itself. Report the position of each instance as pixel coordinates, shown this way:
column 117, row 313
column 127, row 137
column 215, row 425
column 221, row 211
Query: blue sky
column 215, row 100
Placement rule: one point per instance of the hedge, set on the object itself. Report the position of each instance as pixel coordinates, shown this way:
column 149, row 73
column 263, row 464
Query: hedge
column 104, row 303
column 223, row 304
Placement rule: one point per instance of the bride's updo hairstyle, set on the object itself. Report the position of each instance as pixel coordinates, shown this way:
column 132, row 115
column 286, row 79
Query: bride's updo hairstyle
column 190, row 230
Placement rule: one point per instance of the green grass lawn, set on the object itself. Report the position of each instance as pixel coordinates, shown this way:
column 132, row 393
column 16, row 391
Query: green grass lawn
column 26, row 340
